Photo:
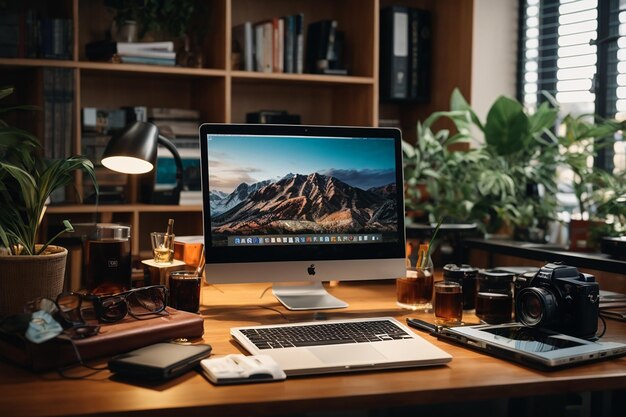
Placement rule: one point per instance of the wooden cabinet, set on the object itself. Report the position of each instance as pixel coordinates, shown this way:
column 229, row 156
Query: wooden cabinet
column 225, row 95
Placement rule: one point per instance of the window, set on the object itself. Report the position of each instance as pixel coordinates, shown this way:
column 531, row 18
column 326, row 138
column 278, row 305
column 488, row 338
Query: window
column 576, row 51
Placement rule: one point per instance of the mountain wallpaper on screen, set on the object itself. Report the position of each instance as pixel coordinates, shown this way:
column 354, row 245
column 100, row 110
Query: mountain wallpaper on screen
column 296, row 203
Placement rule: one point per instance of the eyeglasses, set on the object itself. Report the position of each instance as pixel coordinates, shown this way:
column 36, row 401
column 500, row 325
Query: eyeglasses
column 138, row 303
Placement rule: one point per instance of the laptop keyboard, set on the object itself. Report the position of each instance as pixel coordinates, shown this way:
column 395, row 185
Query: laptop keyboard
column 324, row 334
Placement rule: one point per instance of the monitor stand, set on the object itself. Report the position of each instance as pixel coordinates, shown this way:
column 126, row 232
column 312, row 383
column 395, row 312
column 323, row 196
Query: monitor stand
column 306, row 296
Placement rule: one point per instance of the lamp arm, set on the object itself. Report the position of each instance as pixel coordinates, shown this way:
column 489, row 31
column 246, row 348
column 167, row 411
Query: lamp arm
column 177, row 159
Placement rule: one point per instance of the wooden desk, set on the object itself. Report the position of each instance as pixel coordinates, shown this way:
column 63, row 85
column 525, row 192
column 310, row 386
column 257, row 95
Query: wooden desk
column 470, row 376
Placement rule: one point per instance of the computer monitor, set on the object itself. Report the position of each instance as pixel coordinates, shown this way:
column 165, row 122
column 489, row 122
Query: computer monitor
column 293, row 204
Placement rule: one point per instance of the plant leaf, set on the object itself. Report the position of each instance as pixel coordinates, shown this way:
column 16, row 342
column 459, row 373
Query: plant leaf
column 507, row 127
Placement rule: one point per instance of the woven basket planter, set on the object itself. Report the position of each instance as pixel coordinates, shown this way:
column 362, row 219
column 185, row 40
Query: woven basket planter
column 24, row 278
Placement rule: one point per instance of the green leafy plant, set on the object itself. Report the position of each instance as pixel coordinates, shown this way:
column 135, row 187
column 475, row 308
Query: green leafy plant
column 487, row 184
column 26, row 182
column 580, row 141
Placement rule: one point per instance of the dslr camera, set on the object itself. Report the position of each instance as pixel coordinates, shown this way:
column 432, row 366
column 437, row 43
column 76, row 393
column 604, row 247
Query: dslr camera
column 559, row 298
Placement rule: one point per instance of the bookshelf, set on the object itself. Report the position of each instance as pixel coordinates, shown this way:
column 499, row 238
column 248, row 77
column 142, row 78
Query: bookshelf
column 222, row 94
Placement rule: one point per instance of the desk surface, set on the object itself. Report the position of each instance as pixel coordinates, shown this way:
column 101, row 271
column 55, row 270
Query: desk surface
column 470, row 375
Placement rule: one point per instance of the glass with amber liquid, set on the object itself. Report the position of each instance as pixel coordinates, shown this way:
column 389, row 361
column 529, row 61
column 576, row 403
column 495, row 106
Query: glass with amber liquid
column 108, row 259
column 162, row 247
column 448, row 302
column 414, row 291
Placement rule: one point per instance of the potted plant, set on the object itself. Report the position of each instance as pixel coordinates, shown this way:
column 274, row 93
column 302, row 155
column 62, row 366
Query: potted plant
column 600, row 194
column 489, row 184
column 29, row 270
column 182, row 20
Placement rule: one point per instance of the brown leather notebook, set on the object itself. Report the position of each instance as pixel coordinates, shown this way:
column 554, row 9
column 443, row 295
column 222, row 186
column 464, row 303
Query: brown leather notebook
column 115, row 338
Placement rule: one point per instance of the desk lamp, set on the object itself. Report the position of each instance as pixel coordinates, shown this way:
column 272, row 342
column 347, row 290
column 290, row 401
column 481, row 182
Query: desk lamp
column 134, row 151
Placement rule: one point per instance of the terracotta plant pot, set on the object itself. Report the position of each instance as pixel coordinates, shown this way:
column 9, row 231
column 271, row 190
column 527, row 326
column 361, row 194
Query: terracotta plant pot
column 24, row 278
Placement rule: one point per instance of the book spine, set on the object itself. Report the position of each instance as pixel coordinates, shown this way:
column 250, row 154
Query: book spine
column 48, row 97
column 280, row 50
column 275, row 34
column 249, row 46
column 330, row 43
column 299, row 42
column 258, row 47
column 149, row 54
column 313, row 36
column 149, row 61
column 413, row 53
column 289, row 62
column 425, row 56
column 268, row 47
column 126, row 47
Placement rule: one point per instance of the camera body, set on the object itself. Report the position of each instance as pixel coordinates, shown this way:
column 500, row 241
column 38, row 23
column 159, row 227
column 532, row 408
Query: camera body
column 560, row 298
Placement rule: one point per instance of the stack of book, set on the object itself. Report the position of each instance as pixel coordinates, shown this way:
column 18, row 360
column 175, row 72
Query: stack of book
column 178, row 125
column 181, row 127
column 151, row 53
column 272, row 45
column 405, row 54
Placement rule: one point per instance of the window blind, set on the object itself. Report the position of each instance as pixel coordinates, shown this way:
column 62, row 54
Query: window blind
column 576, row 51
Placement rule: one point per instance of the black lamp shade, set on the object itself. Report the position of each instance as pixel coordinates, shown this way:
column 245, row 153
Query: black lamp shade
column 133, row 150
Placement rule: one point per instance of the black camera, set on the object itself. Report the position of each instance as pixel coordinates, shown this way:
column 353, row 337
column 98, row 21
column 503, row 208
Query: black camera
column 560, row 298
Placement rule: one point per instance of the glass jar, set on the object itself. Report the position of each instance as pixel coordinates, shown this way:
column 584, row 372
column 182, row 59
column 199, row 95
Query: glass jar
column 108, row 258
column 494, row 298
column 466, row 276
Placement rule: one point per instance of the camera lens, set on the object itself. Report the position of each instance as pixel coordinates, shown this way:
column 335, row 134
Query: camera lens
column 535, row 306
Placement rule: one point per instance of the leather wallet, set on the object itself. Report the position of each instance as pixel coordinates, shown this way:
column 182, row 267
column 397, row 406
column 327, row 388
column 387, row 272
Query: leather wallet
column 160, row 361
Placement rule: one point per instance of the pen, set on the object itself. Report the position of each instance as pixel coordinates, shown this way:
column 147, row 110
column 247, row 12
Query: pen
column 423, row 325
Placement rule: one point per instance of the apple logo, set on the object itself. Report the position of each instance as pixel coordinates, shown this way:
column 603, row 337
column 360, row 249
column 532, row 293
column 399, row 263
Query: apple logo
column 311, row 269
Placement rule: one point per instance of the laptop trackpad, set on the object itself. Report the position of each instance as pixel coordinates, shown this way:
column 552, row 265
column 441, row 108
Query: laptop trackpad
column 347, row 354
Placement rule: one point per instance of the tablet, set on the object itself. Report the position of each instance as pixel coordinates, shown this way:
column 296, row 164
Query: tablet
column 535, row 347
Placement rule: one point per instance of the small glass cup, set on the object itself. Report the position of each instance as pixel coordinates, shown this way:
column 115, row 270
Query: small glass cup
column 162, row 247
column 185, row 291
column 448, row 303
column 415, row 290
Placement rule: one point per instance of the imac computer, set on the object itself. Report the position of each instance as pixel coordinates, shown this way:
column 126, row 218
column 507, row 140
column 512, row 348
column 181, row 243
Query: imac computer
column 298, row 205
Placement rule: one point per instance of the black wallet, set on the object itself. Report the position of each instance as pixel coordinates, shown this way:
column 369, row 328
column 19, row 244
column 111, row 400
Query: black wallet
column 159, row 361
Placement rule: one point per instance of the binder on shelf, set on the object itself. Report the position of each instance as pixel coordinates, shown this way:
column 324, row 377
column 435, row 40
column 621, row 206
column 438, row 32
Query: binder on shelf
column 394, row 53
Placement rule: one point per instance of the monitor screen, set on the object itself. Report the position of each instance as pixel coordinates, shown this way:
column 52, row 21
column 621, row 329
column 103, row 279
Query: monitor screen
column 300, row 203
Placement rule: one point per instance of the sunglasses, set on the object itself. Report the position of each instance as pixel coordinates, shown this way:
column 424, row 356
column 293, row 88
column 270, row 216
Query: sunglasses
column 138, row 303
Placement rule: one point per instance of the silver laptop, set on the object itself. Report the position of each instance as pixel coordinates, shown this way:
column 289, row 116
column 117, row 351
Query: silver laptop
column 340, row 345
column 535, row 347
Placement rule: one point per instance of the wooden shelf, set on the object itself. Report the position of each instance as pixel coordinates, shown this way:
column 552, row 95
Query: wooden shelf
column 302, row 78
column 224, row 95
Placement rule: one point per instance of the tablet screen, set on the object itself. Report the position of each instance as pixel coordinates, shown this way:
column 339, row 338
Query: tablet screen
column 531, row 339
